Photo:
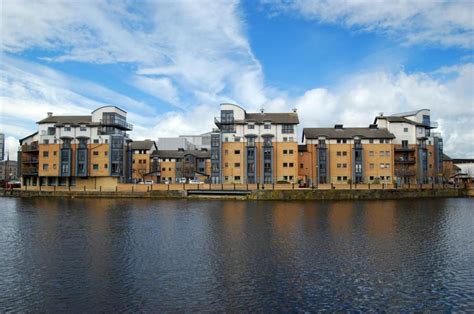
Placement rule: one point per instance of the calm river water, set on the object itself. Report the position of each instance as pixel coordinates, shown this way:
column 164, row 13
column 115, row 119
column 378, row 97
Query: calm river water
column 90, row 255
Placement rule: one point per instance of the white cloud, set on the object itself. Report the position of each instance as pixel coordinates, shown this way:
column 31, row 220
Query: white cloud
column 361, row 97
column 161, row 88
column 200, row 46
column 445, row 23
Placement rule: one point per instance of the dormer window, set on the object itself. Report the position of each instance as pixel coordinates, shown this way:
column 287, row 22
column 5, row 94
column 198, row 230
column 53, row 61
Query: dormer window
column 250, row 126
column 67, row 128
column 267, row 126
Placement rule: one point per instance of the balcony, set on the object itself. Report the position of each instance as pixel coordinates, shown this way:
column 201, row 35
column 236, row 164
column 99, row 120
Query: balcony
column 116, row 123
column 433, row 125
column 407, row 161
column 30, row 160
column 33, row 171
column 404, row 149
column 30, row 147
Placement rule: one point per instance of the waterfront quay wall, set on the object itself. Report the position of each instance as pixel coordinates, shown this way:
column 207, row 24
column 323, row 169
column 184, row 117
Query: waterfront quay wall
column 285, row 193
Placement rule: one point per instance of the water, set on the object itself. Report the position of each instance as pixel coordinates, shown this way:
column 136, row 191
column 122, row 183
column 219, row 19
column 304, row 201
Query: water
column 90, row 255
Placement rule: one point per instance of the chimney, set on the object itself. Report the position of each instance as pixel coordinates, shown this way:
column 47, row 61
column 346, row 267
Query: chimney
column 262, row 110
column 294, row 110
column 50, row 114
column 381, row 114
column 338, row 126
column 373, row 126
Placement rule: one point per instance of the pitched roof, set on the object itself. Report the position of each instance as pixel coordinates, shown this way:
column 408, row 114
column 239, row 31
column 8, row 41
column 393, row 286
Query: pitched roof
column 181, row 153
column 142, row 145
column 346, row 133
column 67, row 119
column 277, row 118
column 446, row 157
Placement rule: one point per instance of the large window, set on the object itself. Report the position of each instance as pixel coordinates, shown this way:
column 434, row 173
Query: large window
column 51, row 131
column 287, row 128
column 227, row 116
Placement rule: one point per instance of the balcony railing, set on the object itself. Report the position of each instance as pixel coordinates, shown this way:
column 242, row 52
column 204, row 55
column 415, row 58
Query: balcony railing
column 33, row 171
column 405, row 160
column 30, row 160
column 116, row 123
column 404, row 149
column 29, row 147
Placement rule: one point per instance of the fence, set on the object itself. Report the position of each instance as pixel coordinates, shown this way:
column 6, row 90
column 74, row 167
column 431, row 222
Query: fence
column 143, row 188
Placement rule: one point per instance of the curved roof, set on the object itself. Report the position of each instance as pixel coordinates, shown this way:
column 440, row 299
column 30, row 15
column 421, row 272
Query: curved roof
column 109, row 106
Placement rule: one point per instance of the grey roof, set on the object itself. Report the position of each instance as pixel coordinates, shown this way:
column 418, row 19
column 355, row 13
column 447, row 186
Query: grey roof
column 277, row 118
column 446, row 157
column 408, row 113
column 181, row 153
column 26, row 137
column 67, row 119
column 346, row 133
column 142, row 145
column 399, row 119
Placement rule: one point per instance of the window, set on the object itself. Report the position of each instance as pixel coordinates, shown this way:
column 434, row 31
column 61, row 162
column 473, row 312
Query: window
column 267, row 126
column 344, row 178
column 55, row 153
column 45, row 154
column 338, row 153
column 339, row 165
column 95, row 166
column 339, row 178
column 387, row 165
column 405, row 130
column 96, row 141
column 301, row 166
column 285, row 178
column 54, row 166
column 291, row 165
column 237, row 139
column 106, row 141
column 226, row 139
column 344, row 165
column 405, row 143
column 106, row 153
column 251, row 126
column 237, row 165
column 51, row 131
column 163, row 169
column 371, row 153
column 226, row 152
column 226, row 178
column 237, row 152
column 382, row 153
column 287, row 128
column 45, row 167
column 226, row 165
column 67, row 128
column 237, row 178
column 83, row 128
column 285, row 165
column 106, row 166
column 285, row 139
column 371, row 166
column 382, row 166
column 45, row 141
column 371, row 178
column 139, row 161
column 133, row 161
column 387, row 153
column 95, row 153
column 371, row 141
column 290, row 152
column 285, row 152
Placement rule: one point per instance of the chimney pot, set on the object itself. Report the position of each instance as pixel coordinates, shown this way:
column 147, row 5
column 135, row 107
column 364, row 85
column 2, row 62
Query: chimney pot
column 50, row 114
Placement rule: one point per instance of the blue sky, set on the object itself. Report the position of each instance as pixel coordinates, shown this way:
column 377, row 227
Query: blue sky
column 170, row 64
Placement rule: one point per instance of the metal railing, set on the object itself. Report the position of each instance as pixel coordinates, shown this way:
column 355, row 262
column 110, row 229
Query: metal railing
column 116, row 122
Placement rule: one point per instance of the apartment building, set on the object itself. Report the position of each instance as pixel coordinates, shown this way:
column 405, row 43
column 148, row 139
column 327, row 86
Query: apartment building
column 254, row 147
column 418, row 151
column 2, row 146
column 89, row 151
column 344, row 155
column 8, row 171
column 175, row 165
column 144, row 167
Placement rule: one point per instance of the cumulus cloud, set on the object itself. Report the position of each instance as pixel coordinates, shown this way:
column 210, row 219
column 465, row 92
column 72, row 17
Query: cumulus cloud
column 445, row 23
column 200, row 46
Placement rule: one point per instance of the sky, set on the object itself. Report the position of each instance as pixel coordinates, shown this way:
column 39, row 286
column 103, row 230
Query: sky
column 170, row 64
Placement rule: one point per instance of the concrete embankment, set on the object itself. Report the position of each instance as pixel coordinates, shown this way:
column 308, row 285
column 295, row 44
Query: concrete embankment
column 283, row 195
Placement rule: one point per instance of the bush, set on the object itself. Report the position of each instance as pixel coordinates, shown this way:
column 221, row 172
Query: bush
column 283, row 182
column 376, row 181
